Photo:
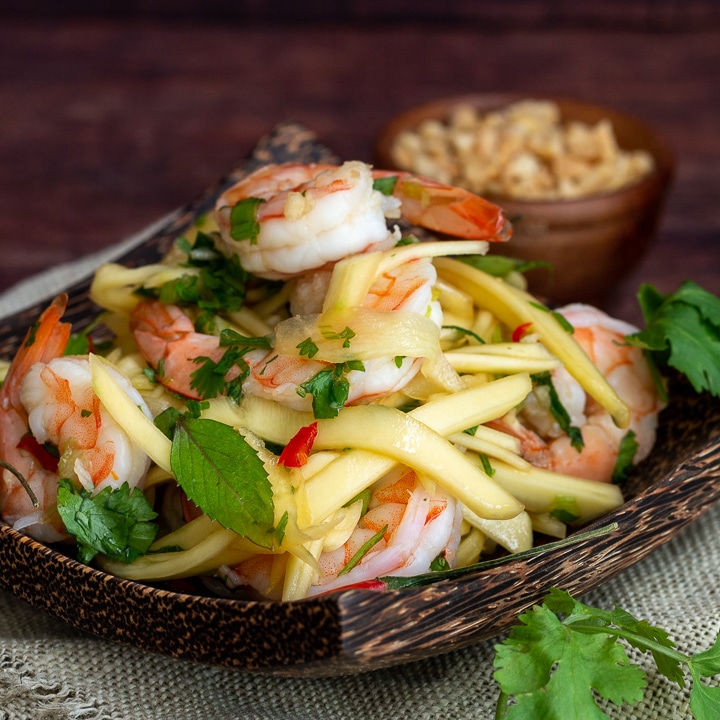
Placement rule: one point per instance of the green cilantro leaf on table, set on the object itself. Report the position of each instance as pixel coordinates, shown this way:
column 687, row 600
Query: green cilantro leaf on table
column 563, row 654
column 682, row 330
column 221, row 473
column 114, row 522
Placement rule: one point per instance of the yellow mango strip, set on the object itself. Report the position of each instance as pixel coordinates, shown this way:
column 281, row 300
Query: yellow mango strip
column 352, row 277
column 502, row 358
column 482, row 446
column 470, row 548
column 220, row 547
column 353, row 471
column 455, row 303
column 249, row 322
column 515, row 534
column 539, row 490
column 266, row 419
column 548, row 525
column 113, row 286
column 141, row 430
column 299, row 575
column 515, row 307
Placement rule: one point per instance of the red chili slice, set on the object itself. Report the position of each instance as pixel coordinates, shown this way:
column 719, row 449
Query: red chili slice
column 520, row 331
column 39, row 452
column 295, row 453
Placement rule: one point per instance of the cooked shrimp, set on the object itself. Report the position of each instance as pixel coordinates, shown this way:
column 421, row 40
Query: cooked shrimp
column 45, row 340
column 49, row 400
column 627, row 370
column 408, row 287
column 168, row 340
column 64, row 410
column 300, row 217
column 419, row 527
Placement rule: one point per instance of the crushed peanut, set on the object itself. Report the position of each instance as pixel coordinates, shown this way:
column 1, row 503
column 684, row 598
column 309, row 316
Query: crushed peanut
column 521, row 151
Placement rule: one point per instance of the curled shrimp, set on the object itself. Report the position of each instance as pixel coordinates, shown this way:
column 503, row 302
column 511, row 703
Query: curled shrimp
column 301, row 217
column 418, row 527
column 45, row 340
column 626, row 369
column 48, row 401
column 167, row 338
column 406, row 526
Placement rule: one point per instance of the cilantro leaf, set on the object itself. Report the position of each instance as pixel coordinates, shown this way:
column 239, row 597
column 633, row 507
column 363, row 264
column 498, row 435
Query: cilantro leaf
column 329, row 389
column 243, row 220
column 217, row 283
column 563, row 651
column 222, row 474
column 683, row 331
column 557, row 679
column 115, row 522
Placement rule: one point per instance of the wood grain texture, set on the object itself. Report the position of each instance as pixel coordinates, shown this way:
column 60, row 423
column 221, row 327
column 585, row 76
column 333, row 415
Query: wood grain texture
column 356, row 631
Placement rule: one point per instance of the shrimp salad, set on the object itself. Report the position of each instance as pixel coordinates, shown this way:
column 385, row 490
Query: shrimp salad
column 303, row 396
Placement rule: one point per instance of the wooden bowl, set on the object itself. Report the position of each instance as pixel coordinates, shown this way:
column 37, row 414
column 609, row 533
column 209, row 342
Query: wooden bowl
column 592, row 242
column 357, row 630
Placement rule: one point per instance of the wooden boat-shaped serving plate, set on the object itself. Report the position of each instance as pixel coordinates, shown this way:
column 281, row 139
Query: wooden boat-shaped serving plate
column 359, row 630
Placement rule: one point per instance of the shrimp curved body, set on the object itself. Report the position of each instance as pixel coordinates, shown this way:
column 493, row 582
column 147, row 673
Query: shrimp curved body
column 168, row 340
column 48, row 399
column 408, row 287
column 45, row 340
column 420, row 526
column 311, row 215
column 627, row 371
column 64, row 410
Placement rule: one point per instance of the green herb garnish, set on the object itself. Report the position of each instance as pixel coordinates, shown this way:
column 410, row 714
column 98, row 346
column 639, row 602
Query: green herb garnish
column 558, row 411
column 682, row 330
column 564, row 654
column 114, row 522
column 221, row 473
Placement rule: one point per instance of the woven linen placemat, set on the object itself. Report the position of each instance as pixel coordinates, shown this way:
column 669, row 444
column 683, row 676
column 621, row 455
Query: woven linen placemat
column 50, row 671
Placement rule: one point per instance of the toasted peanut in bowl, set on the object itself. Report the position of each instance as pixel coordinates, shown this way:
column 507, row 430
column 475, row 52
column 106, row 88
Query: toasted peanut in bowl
column 583, row 185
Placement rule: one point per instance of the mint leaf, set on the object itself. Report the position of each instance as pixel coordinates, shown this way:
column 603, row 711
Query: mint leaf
column 113, row 522
column 222, row 474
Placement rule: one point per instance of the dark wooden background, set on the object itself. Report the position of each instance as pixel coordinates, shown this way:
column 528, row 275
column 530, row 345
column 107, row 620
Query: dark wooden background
column 111, row 115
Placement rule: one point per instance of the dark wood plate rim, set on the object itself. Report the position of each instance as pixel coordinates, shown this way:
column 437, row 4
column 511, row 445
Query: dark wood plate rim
column 358, row 630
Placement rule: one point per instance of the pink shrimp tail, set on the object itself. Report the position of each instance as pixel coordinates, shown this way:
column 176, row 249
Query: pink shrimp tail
column 446, row 209
column 45, row 340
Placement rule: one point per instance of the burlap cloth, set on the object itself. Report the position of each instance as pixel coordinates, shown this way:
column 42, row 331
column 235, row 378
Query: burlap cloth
column 48, row 670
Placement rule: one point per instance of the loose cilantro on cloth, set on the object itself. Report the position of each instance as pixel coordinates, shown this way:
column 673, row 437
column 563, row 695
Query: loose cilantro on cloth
column 114, row 522
column 683, row 331
column 564, row 651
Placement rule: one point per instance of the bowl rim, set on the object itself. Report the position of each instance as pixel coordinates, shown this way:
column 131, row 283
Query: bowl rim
column 651, row 184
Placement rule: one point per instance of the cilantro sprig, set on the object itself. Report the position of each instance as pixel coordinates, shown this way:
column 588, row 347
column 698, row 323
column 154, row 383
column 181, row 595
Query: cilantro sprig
column 216, row 285
column 114, row 522
column 682, row 330
column 329, row 388
column 563, row 652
